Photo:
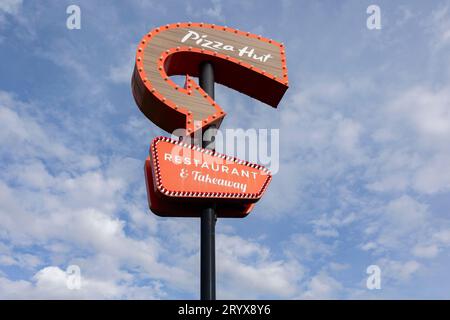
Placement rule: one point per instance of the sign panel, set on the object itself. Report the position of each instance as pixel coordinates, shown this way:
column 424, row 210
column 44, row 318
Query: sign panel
column 166, row 207
column 184, row 171
column 251, row 64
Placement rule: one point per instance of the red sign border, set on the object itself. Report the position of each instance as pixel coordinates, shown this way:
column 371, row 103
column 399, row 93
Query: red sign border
column 203, row 195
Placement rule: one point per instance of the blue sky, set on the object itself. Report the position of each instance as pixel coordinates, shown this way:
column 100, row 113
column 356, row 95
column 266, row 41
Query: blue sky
column 364, row 174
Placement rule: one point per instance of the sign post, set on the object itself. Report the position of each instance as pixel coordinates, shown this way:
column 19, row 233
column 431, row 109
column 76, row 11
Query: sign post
column 208, row 218
column 193, row 180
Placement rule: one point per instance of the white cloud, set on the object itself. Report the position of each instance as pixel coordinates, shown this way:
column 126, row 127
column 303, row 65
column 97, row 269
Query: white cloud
column 7, row 260
column 307, row 247
column 247, row 271
column 334, row 266
column 213, row 12
column 327, row 225
column 51, row 283
column 413, row 142
column 21, row 134
column 122, row 72
column 347, row 134
column 430, row 246
column 369, row 246
column 10, row 6
column 406, row 213
column 425, row 110
column 322, row 286
column 402, row 219
column 443, row 236
column 433, row 176
column 395, row 270
column 439, row 27
column 423, row 251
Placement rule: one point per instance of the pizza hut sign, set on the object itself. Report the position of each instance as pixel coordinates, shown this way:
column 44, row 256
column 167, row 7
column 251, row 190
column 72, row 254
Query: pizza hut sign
column 182, row 178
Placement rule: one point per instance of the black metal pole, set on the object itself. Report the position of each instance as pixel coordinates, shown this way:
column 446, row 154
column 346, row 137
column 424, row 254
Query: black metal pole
column 208, row 217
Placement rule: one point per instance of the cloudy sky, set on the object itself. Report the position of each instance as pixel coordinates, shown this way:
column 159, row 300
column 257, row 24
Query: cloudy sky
column 364, row 173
